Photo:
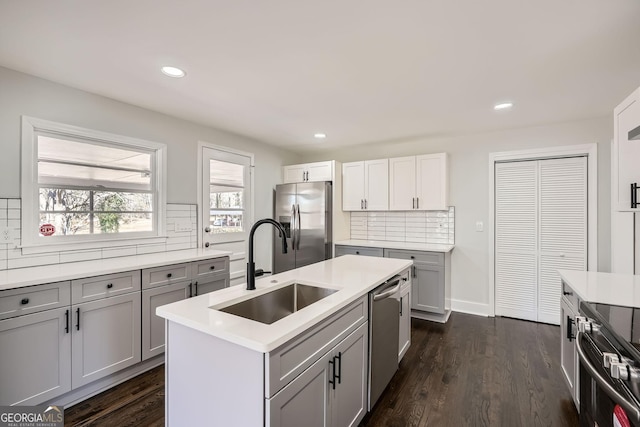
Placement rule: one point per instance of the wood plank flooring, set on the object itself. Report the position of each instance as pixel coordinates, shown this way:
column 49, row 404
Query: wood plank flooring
column 471, row 371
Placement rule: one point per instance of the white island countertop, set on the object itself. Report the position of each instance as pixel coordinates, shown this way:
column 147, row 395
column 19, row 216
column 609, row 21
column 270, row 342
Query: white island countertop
column 28, row 276
column 353, row 277
column 604, row 288
column 427, row 247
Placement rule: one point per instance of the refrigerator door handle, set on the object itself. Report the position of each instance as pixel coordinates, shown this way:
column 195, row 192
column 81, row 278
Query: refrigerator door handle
column 293, row 227
column 298, row 226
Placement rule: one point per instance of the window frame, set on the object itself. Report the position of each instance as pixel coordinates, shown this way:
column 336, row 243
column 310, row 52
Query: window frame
column 29, row 188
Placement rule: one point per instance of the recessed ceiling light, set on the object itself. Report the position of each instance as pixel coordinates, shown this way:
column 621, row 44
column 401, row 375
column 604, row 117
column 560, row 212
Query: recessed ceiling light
column 320, row 135
column 503, row 106
column 173, row 71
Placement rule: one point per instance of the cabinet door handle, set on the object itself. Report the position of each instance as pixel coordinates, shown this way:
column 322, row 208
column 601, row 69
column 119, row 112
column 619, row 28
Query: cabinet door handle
column 634, row 195
column 190, row 290
column 413, row 271
column 365, row 204
column 339, row 357
column 110, row 285
column 332, row 381
column 417, row 202
column 195, row 288
column 413, row 202
column 400, row 306
column 361, row 204
column 169, row 275
column 24, row 301
column 66, row 321
column 213, row 267
column 567, row 293
column 78, row 319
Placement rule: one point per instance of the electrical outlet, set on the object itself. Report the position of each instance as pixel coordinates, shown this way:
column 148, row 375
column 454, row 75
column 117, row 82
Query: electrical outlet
column 5, row 236
column 183, row 225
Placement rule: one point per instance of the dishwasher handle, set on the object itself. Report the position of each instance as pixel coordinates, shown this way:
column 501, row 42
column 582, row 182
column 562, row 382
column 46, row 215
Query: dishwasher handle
column 392, row 286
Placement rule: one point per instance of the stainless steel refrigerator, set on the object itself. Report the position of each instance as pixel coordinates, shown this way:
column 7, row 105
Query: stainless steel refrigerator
column 304, row 210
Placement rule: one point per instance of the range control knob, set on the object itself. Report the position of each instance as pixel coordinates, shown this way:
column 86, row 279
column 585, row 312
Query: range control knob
column 587, row 325
column 609, row 358
column 622, row 371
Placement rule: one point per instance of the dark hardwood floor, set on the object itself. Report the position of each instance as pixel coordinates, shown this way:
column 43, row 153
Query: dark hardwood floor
column 471, row 371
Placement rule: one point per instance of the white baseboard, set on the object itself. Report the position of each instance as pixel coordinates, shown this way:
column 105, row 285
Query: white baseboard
column 470, row 307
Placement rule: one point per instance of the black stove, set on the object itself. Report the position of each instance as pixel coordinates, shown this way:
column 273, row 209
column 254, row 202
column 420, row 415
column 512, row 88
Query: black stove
column 621, row 326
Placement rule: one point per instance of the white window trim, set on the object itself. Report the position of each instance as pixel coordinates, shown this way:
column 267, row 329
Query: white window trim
column 239, row 237
column 29, row 189
column 588, row 150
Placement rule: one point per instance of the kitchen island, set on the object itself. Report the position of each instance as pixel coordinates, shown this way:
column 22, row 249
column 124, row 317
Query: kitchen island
column 309, row 367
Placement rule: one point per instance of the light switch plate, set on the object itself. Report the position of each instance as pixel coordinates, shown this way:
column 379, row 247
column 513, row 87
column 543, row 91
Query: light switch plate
column 183, row 225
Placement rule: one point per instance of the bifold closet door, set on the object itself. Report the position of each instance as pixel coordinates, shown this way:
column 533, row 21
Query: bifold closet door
column 541, row 226
column 516, row 239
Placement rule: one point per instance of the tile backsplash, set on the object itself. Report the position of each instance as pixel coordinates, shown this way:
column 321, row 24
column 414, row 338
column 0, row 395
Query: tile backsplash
column 406, row 226
column 11, row 255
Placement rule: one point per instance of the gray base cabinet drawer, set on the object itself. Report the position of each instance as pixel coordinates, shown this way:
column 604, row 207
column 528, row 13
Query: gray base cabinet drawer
column 201, row 270
column 94, row 288
column 426, row 257
column 165, row 275
column 358, row 250
column 32, row 299
column 287, row 362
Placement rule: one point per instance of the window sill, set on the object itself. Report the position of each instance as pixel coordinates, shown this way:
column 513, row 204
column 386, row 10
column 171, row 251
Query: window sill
column 79, row 246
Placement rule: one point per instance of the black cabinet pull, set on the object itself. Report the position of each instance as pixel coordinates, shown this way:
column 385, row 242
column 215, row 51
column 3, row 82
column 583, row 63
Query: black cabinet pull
column 169, row 275
column 567, row 293
column 413, row 271
column 190, row 291
column 78, row 321
column 24, row 301
column 195, row 288
column 357, row 252
column 400, row 306
column 332, row 381
column 213, row 267
column 634, row 195
column 110, row 285
column 339, row 357
column 413, row 257
column 66, row 321
column 570, row 323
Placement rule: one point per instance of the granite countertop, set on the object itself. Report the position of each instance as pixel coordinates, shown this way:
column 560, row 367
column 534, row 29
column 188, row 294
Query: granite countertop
column 428, row 247
column 21, row 277
column 353, row 276
column 604, row 288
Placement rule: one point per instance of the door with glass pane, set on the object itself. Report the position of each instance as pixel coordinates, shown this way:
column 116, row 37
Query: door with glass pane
column 225, row 212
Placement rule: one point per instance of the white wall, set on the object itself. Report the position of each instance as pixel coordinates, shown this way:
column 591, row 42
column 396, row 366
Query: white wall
column 22, row 94
column 469, row 190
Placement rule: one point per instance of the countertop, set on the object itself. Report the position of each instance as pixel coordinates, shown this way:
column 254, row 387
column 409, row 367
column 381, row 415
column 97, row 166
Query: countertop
column 604, row 288
column 353, row 276
column 20, row 277
column 428, row 247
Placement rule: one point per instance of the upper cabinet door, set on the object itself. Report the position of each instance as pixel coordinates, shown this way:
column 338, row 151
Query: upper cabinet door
column 376, row 185
column 626, row 153
column 432, row 185
column 402, row 183
column 353, row 186
column 293, row 173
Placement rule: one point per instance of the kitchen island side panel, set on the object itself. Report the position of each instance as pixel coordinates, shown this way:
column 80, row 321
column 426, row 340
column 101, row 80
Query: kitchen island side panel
column 210, row 381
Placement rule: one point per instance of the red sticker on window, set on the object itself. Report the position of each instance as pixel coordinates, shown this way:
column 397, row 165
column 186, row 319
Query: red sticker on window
column 47, row 229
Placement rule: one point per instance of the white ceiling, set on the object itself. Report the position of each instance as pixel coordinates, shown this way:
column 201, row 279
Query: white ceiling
column 359, row 71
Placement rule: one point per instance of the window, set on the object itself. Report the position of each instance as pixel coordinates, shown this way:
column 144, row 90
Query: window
column 81, row 185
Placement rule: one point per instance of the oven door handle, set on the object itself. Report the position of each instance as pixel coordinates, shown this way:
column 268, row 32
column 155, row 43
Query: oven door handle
column 602, row 382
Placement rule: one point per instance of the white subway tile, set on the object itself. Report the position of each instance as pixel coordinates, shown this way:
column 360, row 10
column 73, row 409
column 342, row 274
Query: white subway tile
column 13, row 223
column 74, row 256
column 118, row 251
column 148, row 249
column 3, row 203
column 32, row 261
column 178, row 247
column 416, row 239
column 13, row 203
column 3, row 215
column 3, row 264
column 13, row 214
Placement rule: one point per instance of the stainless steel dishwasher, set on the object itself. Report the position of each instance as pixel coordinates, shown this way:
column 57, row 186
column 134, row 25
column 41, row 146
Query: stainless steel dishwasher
column 384, row 327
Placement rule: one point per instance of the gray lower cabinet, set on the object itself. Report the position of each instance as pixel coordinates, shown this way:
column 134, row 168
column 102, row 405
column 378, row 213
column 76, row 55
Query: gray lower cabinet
column 569, row 362
column 331, row 392
column 153, row 332
column 35, row 357
column 106, row 337
column 405, row 319
column 210, row 284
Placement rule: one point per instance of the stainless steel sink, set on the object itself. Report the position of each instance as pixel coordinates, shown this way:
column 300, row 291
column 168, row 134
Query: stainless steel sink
column 275, row 305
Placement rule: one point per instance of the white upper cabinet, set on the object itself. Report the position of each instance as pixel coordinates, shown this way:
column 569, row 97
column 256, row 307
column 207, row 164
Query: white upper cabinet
column 365, row 185
column 626, row 153
column 419, row 183
column 308, row 172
